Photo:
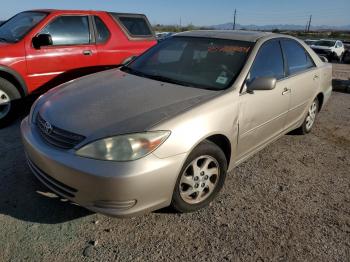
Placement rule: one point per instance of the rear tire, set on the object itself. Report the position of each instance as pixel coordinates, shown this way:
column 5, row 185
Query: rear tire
column 310, row 118
column 9, row 97
column 201, row 178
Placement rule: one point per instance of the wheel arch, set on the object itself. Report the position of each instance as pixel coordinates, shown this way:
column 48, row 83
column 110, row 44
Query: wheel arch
column 320, row 98
column 223, row 143
column 13, row 77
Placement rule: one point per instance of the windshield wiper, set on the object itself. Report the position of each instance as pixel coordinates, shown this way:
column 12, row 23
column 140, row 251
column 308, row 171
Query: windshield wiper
column 162, row 78
column 154, row 77
column 3, row 39
column 132, row 71
column 168, row 80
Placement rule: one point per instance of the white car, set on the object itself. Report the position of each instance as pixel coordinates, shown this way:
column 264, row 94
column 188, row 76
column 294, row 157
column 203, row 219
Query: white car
column 163, row 35
column 331, row 49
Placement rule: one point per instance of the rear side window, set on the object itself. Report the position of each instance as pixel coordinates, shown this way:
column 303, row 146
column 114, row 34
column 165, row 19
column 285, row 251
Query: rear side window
column 297, row 57
column 136, row 26
column 268, row 62
column 69, row 30
column 102, row 33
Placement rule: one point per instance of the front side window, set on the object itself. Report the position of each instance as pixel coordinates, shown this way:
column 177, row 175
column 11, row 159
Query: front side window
column 102, row 33
column 207, row 63
column 297, row 57
column 18, row 26
column 268, row 62
column 69, row 30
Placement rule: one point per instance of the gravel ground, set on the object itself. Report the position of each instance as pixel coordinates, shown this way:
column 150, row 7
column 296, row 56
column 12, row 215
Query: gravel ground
column 290, row 202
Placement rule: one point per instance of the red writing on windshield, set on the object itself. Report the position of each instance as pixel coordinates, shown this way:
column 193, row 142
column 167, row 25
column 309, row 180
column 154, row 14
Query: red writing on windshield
column 228, row 49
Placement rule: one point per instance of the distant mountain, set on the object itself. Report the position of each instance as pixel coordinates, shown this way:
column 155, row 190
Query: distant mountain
column 228, row 26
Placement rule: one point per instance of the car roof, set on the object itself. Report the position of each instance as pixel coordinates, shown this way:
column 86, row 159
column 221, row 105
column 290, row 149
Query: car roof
column 240, row 35
column 67, row 11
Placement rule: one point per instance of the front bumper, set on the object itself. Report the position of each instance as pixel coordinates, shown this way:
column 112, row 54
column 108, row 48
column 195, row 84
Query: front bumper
column 113, row 188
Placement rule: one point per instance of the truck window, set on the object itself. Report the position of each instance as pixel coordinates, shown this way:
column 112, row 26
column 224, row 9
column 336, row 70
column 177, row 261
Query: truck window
column 102, row 33
column 135, row 25
column 69, row 30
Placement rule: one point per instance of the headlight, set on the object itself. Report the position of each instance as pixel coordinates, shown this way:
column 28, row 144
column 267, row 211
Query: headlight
column 124, row 147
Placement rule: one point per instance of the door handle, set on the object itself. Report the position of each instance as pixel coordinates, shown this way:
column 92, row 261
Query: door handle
column 286, row 91
column 316, row 77
column 87, row 52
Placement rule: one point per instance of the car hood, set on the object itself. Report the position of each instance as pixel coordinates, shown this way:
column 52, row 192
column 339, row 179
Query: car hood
column 113, row 102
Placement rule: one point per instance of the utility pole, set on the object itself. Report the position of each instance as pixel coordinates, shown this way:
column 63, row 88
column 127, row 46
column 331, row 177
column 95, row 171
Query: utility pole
column 309, row 25
column 234, row 20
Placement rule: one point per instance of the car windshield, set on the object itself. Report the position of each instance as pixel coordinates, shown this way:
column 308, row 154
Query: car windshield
column 325, row 43
column 18, row 26
column 207, row 63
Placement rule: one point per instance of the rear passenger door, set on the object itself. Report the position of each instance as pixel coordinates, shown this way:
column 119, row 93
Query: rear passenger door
column 303, row 80
column 73, row 48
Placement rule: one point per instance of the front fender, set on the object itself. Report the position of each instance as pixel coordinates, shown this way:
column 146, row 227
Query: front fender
column 13, row 75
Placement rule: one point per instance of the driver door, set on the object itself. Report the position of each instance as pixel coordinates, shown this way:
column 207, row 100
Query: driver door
column 263, row 113
column 72, row 49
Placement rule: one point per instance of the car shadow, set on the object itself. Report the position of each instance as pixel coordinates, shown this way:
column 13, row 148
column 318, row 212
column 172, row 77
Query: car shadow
column 22, row 196
column 342, row 86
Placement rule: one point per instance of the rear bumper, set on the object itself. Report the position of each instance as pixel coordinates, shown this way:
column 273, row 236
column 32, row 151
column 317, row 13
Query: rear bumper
column 113, row 188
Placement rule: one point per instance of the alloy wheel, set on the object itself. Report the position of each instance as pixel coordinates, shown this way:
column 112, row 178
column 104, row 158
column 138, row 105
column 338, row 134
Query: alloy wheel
column 5, row 104
column 310, row 119
column 199, row 179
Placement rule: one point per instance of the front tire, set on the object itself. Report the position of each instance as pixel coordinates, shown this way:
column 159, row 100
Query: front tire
column 9, row 96
column 201, row 178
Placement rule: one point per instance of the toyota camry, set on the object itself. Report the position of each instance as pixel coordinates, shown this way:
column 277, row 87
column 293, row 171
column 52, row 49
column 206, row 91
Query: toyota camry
column 166, row 129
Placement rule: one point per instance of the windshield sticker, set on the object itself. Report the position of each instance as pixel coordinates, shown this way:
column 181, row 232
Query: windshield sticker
column 229, row 49
column 221, row 80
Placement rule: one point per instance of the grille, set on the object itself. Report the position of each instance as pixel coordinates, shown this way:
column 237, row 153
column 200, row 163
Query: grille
column 53, row 184
column 56, row 136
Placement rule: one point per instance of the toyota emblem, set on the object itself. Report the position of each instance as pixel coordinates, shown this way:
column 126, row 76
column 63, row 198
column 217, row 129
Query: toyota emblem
column 48, row 128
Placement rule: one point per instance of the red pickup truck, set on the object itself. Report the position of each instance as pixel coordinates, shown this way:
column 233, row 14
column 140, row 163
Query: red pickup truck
column 43, row 48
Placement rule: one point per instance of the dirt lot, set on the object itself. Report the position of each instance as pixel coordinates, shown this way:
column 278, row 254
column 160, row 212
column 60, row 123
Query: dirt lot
column 291, row 202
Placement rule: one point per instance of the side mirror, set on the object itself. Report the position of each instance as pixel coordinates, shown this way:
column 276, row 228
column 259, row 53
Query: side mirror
column 42, row 40
column 324, row 59
column 262, row 83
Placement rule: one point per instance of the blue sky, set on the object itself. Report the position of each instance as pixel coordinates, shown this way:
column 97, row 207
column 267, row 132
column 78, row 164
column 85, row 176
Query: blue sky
column 205, row 12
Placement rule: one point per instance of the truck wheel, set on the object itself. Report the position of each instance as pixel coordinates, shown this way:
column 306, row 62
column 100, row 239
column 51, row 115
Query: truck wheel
column 201, row 178
column 9, row 96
